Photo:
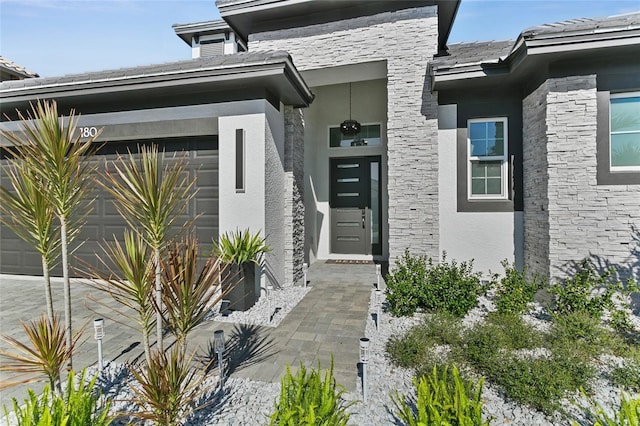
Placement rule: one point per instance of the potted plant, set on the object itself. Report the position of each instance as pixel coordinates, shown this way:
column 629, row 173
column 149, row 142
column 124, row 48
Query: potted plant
column 243, row 252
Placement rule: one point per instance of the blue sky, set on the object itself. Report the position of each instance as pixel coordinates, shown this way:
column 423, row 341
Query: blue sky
column 56, row 37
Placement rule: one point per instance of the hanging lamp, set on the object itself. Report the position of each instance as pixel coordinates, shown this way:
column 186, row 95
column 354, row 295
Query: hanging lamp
column 350, row 127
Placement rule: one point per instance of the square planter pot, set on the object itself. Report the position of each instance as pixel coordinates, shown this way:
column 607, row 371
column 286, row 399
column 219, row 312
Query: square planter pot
column 239, row 287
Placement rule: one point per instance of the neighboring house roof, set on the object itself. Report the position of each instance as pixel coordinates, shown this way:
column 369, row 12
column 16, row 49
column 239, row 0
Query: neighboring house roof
column 560, row 40
column 272, row 70
column 9, row 70
column 186, row 31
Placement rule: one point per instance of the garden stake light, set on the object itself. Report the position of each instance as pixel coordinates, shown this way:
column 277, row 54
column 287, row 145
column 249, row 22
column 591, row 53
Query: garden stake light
column 98, row 334
column 268, row 294
column 378, row 275
column 378, row 302
column 218, row 346
column 305, row 269
column 364, row 360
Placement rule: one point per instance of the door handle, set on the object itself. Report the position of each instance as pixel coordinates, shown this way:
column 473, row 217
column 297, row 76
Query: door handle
column 363, row 220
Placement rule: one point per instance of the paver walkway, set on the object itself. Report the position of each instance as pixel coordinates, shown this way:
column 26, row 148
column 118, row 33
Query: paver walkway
column 328, row 321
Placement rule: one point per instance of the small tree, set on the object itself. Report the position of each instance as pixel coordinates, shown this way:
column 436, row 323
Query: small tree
column 27, row 211
column 150, row 197
column 189, row 291
column 130, row 282
column 54, row 153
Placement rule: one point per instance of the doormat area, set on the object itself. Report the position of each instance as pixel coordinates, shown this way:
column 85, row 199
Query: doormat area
column 349, row 262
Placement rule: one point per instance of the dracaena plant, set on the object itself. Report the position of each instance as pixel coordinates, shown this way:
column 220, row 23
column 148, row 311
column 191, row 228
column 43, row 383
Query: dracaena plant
column 52, row 151
column 168, row 388
column 128, row 277
column 150, row 196
column 26, row 210
column 189, row 290
column 45, row 354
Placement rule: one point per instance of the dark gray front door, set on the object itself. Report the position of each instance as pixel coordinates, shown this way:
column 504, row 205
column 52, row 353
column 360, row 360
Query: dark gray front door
column 355, row 205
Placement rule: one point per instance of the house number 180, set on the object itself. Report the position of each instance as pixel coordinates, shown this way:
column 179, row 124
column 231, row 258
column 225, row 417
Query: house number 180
column 88, row 132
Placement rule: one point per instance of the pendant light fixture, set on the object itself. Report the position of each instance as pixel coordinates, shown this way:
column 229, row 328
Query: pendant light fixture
column 350, row 127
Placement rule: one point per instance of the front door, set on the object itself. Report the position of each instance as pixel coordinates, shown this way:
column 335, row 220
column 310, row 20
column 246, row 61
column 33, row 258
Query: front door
column 355, row 205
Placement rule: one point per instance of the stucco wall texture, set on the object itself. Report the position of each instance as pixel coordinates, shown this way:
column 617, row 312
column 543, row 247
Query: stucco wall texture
column 585, row 220
column 407, row 40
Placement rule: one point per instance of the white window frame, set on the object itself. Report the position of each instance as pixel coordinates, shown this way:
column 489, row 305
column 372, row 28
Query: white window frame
column 504, row 166
column 612, row 167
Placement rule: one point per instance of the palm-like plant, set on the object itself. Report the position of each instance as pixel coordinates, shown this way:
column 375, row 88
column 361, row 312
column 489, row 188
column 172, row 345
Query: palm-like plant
column 47, row 354
column 28, row 213
column 150, row 197
column 61, row 162
column 169, row 388
column 129, row 282
column 188, row 290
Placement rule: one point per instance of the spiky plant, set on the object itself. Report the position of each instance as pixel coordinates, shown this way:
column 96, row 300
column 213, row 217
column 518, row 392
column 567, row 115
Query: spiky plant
column 169, row 387
column 52, row 149
column 130, row 282
column 27, row 211
column 47, row 353
column 189, row 290
column 241, row 247
column 150, row 197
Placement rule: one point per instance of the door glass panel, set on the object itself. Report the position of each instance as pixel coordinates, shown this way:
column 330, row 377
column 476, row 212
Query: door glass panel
column 375, row 202
column 348, row 180
column 348, row 166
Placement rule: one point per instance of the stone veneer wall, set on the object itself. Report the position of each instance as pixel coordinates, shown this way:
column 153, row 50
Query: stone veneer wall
column 535, row 177
column 585, row 219
column 407, row 40
column 294, row 195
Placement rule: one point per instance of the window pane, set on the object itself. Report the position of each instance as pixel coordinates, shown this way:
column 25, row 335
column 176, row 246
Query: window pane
column 625, row 114
column 369, row 136
column 477, row 131
column 495, row 130
column 477, row 186
column 494, row 169
column 495, row 147
column 625, row 150
column 494, row 186
column 478, row 147
column 478, row 170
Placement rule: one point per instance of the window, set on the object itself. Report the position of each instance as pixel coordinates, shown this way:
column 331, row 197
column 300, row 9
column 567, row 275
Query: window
column 624, row 137
column 487, row 154
column 240, row 160
column 369, row 136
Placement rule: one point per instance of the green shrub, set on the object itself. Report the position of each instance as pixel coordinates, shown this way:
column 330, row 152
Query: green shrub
column 514, row 291
column 307, row 400
column 443, row 399
column 587, row 291
column 78, row 406
column 405, row 283
column 451, row 287
column 411, row 350
column 628, row 413
column 627, row 376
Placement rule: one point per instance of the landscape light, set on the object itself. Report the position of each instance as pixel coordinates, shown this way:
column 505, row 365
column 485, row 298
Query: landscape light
column 98, row 334
column 218, row 347
column 364, row 359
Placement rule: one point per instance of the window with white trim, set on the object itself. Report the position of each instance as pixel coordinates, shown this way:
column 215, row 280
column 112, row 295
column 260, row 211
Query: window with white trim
column 624, row 135
column 487, row 153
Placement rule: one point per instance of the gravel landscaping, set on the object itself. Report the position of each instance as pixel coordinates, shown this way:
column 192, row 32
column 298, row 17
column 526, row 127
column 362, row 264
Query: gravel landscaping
column 243, row 401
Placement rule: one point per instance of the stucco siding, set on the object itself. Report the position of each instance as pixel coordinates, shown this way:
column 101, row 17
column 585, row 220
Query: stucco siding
column 407, row 40
column 486, row 237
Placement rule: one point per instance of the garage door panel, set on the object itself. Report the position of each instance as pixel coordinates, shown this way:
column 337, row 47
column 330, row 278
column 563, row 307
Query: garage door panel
column 104, row 222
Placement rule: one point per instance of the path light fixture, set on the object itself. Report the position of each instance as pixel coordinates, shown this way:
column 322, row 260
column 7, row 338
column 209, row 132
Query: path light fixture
column 218, row 347
column 378, row 302
column 268, row 294
column 98, row 334
column 305, row 269
column 378, row 275
column 364, row 360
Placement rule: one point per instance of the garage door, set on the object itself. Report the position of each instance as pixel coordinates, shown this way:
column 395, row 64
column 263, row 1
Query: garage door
column 201, row 153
